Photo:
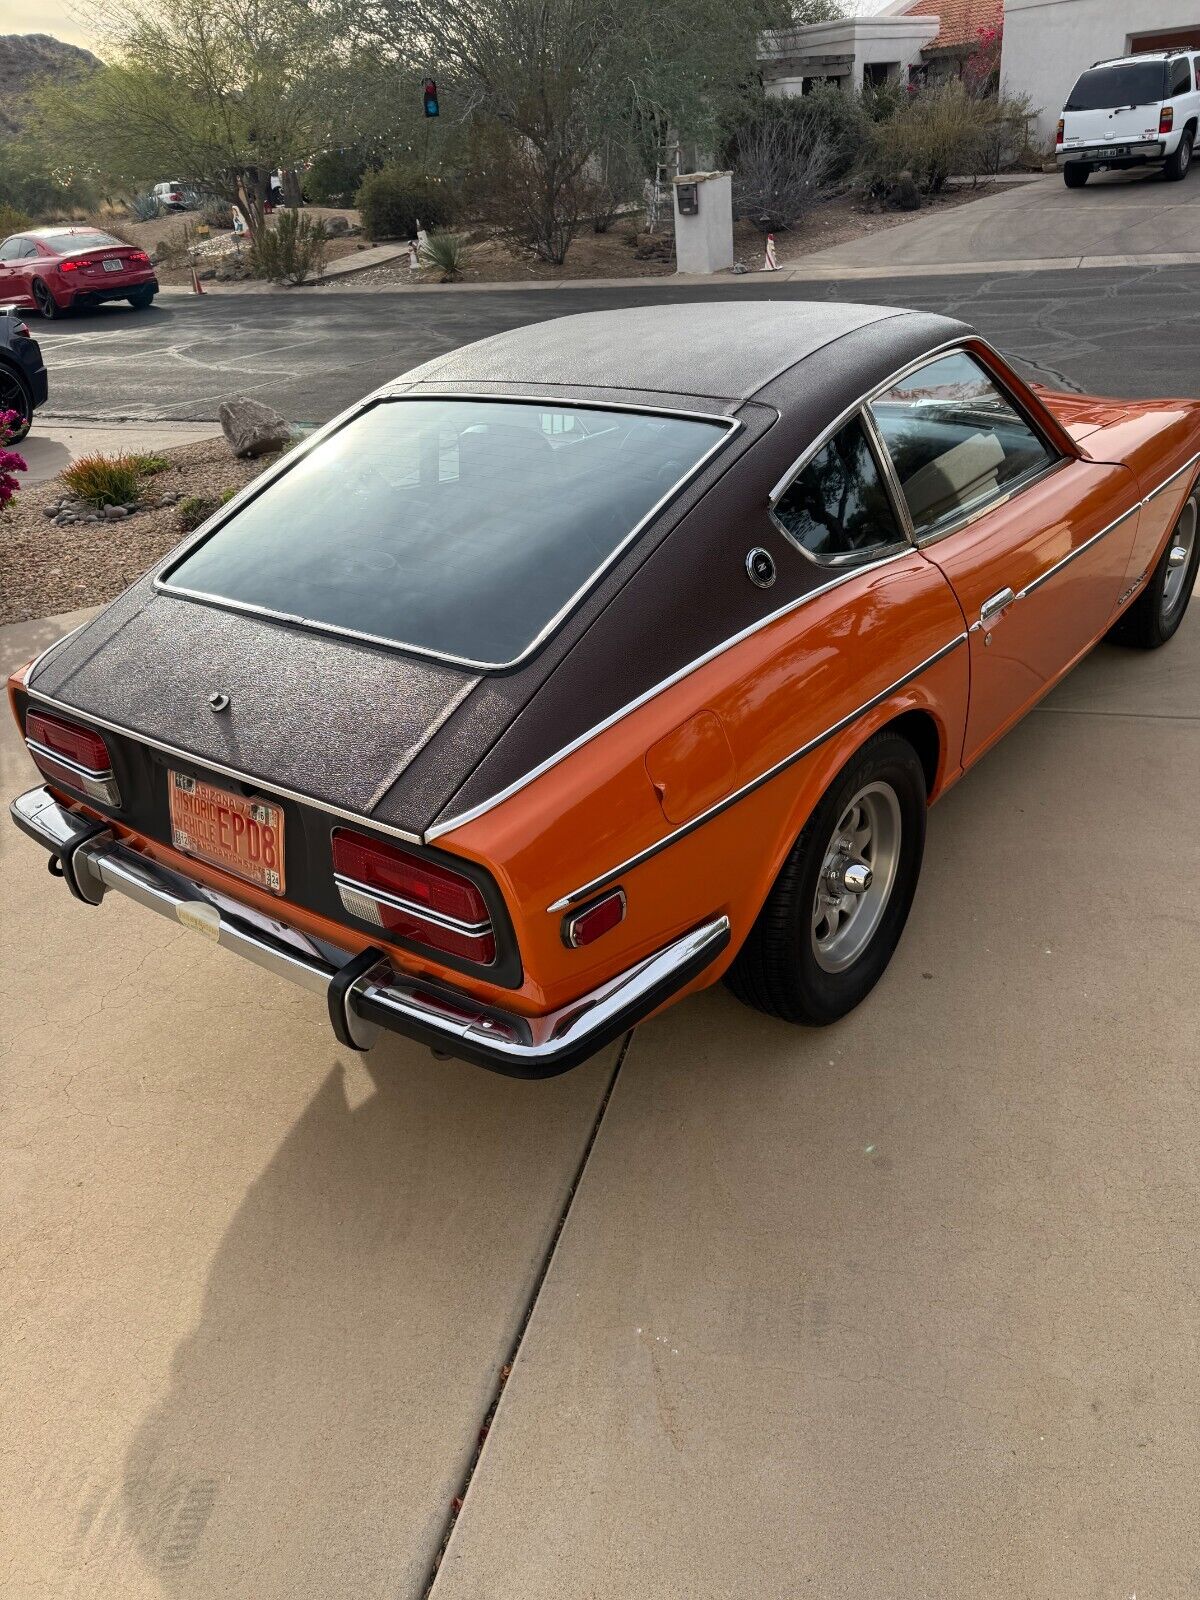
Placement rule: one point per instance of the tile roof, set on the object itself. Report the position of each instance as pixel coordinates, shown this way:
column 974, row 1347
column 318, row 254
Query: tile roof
column 962, row 20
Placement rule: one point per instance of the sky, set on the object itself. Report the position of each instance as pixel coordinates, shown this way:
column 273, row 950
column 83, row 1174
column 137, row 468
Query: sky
column 43, row 16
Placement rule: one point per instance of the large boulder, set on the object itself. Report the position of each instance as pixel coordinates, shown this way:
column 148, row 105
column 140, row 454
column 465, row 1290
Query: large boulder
column 337, row 225
column 252, row 428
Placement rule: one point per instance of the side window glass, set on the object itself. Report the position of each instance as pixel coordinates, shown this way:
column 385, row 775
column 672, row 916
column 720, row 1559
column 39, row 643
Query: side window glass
column 955, row 441
column 839, row 506
column 10, row 250
column 1181, row 78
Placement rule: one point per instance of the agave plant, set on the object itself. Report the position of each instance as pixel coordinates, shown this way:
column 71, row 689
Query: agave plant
column 448, row 253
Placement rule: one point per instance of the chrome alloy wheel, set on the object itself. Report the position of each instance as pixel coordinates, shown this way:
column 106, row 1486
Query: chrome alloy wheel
column 856, row 877
column 1179, row 561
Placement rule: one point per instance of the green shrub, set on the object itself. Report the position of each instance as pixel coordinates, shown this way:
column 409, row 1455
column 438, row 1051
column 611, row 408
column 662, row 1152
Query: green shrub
column 448, row 253
column 395, row 200
column 149, row 466
column 197, row 508
column 826, row 119
column 944, row 132
column 104, row 480
column 12, row 221
column 293, row 250
column 218, row 214
column 334, row 178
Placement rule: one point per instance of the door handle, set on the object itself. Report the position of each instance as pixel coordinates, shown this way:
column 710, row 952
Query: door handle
column 991, row 609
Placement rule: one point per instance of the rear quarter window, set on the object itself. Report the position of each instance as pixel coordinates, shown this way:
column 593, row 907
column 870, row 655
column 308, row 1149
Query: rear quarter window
column 458, row 528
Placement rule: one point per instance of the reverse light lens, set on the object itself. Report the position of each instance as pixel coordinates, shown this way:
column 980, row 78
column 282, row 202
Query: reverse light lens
column 1166, row 119
column 71, row 755
column 413, row 898
column 586, row 926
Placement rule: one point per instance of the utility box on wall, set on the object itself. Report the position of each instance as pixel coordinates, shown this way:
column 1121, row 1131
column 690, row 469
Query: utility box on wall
column 703, row 222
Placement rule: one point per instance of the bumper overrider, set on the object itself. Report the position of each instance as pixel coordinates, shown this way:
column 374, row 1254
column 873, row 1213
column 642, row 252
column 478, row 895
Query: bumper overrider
column 364, row 992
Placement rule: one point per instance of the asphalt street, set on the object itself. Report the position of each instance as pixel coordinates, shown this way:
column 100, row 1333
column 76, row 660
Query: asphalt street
column 310, row 353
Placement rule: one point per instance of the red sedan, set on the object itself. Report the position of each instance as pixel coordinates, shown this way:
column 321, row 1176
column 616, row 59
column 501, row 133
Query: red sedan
column 53, row 269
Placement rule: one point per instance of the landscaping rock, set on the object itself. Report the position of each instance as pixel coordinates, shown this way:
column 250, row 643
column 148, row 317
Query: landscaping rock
column 251, row 428
column 336, row 226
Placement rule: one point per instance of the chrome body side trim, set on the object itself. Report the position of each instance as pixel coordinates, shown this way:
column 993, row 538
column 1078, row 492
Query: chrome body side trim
column 590, row 888
column 52, row 646
column 437, row 919
column 450, row 1020
column 1073, row 555
column 463, row 817
column 205, row 765
column 727, row 427
column 97, row 774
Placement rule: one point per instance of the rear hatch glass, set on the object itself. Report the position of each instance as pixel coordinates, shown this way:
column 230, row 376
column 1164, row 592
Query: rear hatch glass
column 463, row 529
column 1134, row 83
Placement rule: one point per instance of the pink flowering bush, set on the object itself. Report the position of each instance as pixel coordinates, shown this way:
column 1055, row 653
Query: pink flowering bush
column 10, row 461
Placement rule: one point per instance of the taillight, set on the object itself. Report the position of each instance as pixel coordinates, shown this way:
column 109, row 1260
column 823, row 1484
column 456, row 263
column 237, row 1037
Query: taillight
column 1062, row 128
column 71, row 755
column 69, row 266
column 21, row 330
column 413, row 898
column 586, row 926
column 1166, row 119
column 137, row 255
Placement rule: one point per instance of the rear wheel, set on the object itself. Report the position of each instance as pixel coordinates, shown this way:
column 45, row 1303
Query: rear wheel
column 45, row 301
column 1160, row 608
column 839, row 905
column 141, row 298
column 1180, row 159
column 15, row 396
column 1075, row 175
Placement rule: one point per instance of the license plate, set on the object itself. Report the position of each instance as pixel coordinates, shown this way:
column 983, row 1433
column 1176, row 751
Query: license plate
column 113, row 264
column 241, row 836
column 1112, row 150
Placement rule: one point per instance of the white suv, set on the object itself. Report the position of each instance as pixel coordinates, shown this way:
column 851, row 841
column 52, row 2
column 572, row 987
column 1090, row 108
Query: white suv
column 1136, row 111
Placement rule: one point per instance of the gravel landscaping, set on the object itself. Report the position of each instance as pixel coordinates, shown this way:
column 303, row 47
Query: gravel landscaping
column 48, row 566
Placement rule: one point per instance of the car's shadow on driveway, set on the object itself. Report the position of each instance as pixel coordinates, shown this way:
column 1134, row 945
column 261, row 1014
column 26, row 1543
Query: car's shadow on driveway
column 321, row 1414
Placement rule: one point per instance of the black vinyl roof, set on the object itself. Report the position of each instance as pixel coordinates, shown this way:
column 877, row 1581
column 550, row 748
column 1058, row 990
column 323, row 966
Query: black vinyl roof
column 722, row 349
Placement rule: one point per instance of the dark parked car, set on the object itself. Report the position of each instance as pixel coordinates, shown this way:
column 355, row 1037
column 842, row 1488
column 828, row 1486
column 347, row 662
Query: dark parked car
column 22, row 375
column 53, row 269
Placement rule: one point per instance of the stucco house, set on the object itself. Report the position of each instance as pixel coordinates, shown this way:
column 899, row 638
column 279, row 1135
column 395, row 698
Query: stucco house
column 1048, row 43
column 909, row 41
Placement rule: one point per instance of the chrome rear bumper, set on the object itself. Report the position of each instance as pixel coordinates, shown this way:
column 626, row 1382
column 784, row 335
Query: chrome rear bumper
column 364, row 992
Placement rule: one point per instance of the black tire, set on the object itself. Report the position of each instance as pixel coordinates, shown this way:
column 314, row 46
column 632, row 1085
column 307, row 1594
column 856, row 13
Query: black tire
column 1178, row 163
column 1151, row 620
column 141, row 298
column 15, row 396
column 777, row 970
column 47, row 305
column 1075, row 174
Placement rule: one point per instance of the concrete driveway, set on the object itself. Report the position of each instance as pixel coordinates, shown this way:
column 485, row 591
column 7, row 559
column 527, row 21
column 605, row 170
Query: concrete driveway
column 903, row 1307
column 1124, row 218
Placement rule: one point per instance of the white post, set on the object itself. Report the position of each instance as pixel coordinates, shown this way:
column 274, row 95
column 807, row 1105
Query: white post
column 703, row 222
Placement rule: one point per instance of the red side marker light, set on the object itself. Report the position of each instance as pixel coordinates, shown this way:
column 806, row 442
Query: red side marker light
column 586, row 926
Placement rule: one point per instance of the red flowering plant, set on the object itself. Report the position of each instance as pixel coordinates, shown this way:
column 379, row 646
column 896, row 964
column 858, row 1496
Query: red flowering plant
column 10, row 461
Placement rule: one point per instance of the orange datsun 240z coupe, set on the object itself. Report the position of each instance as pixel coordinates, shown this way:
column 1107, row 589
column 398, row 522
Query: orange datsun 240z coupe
column 603, row 658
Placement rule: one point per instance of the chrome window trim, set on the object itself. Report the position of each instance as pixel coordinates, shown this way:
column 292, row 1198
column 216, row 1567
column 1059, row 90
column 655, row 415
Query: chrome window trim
column 887, row 475
column 974, row 513
column 483, row 806
column 969, row 514
column 715, row 810
column 727, row 427
column 437, row 919
column 206, row 765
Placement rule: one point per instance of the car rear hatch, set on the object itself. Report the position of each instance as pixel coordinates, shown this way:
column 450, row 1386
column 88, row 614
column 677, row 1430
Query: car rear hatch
column 108, row 264
column 1114, row 105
